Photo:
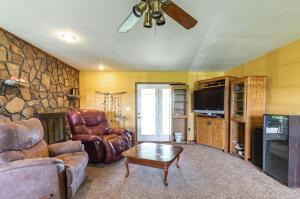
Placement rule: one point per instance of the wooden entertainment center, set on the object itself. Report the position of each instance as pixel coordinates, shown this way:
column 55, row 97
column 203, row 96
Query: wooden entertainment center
column 214, row 130
column 244, row 106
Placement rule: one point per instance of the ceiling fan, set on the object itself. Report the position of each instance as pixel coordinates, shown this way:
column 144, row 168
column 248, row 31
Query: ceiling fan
column 155, row 10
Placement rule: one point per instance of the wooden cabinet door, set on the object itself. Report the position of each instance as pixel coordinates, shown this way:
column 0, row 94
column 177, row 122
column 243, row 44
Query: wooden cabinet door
column 217, row 133
column 203, row 131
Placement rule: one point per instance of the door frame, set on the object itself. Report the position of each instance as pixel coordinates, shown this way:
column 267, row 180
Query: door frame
column 136, row 103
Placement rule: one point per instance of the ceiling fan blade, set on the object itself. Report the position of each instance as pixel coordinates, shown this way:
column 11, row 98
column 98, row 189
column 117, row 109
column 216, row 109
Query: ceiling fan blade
column 129, row 23
column 179, row 15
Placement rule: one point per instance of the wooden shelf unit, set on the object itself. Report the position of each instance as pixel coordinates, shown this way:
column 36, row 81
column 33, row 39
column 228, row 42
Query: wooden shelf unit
column 214, row 131
column 247, row 109
column 179, row 112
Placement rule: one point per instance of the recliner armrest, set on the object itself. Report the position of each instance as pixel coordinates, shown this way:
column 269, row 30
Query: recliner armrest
column 132, row 133
column 122, row 131
column 117, row 131
column 19, row 164
column 65, row 147
column 86, row 137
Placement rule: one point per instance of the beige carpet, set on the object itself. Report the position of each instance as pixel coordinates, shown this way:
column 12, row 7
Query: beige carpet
column 204, row 173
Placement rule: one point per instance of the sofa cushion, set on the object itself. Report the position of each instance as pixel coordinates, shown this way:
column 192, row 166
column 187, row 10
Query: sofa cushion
column 10, row 156
column 40, row 150
column 20, row 135
column 75, row 164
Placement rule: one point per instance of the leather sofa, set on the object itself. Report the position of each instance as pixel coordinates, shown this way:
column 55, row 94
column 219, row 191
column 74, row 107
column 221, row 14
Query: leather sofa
column 29, row 168
column 102, row 143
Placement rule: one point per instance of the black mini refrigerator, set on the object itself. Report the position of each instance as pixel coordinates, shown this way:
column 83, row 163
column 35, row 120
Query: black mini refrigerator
column 257, row 147
column 282, row 148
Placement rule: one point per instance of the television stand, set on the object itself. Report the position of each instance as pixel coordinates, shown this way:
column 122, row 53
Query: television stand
column 211, row 115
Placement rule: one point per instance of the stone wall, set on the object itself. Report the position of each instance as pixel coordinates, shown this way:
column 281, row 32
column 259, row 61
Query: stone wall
column 50, row 80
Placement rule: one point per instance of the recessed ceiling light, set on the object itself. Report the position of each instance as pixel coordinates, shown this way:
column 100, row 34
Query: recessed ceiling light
column 69, row 37
column 101, row 67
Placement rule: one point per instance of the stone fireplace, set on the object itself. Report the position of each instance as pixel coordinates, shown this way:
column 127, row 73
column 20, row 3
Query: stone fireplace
column 50, row 80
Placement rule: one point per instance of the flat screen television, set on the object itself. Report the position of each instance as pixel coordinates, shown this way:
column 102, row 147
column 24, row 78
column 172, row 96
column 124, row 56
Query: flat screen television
column 209, row 101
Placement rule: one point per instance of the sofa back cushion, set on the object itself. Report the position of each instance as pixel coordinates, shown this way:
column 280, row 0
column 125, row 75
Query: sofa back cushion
column 22, row 139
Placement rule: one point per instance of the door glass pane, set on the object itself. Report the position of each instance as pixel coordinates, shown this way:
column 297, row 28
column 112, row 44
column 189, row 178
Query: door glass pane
column 148, row 107
column 166, row 111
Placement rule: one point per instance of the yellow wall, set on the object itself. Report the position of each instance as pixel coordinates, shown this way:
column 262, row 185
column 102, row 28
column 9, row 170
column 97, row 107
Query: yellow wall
column 282, row 68
column 91, row 81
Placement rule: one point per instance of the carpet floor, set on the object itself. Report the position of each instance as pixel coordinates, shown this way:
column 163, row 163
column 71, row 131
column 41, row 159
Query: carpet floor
column 205, row 173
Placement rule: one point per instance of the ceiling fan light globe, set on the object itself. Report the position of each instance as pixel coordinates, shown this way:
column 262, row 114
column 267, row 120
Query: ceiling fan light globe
column 156, row 9
column 136, row 12
column 148, row 20
column 161, row 21
column 156, row 15
column 140, row 8
column 148, row 24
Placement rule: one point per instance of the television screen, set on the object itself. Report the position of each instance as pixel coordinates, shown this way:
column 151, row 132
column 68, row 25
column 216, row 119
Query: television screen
column 209, row 99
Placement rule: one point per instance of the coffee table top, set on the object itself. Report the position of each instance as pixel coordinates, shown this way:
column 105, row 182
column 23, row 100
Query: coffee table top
column 155, row 152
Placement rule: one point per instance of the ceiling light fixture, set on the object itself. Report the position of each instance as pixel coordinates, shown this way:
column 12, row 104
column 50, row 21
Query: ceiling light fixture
column 156, row 9
column 140, row 8
column 148, row 19
column 161, row 21
column 101, row 67
column 69, row 37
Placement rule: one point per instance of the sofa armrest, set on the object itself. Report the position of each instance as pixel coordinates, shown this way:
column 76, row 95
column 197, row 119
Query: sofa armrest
column 65, row 147
column 40, row 177
column 86, row 137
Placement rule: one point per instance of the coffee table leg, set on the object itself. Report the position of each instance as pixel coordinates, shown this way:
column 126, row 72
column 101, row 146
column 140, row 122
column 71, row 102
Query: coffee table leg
column 177, row 161
column 127, row 168
column 166, row 170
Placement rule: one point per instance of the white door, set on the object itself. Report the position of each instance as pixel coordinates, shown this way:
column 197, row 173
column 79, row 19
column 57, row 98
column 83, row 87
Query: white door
column 153, row 112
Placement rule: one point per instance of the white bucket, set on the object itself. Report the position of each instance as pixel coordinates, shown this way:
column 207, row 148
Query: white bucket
column 178, row 137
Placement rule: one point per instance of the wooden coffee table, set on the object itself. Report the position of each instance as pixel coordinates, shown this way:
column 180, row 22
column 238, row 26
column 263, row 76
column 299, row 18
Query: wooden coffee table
column 159, row 156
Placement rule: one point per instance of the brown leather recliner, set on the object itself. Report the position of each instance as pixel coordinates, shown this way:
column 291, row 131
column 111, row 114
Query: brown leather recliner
column 31, row 169
column 103, row 144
